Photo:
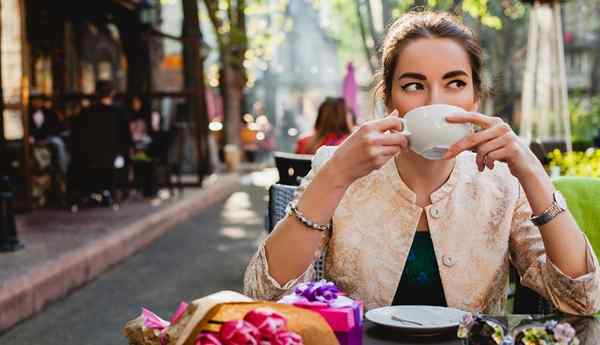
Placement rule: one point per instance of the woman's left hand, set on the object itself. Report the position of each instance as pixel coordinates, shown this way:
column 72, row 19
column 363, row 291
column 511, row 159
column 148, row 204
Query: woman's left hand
column 496, row 141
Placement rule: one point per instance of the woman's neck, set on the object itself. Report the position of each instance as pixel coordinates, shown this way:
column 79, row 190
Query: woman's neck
column 423, row 176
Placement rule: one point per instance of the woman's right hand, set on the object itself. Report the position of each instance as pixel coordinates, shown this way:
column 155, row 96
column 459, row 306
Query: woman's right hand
column 369, row 148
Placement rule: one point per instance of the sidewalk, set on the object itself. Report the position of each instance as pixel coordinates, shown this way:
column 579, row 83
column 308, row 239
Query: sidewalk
column 64, row 250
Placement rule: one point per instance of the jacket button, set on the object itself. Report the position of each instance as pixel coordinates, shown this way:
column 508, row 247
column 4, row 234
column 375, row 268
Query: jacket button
column 435, row 212
column 448, row 261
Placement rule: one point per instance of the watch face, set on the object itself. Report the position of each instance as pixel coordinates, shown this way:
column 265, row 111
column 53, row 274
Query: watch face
column 560, row 200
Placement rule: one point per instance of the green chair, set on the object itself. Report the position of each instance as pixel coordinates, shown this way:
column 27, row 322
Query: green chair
column 583, row 199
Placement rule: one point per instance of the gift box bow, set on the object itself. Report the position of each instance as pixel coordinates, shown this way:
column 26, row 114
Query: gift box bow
column 318, row 294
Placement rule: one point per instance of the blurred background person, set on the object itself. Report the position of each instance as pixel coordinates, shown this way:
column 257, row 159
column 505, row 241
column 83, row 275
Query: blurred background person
column 333, row 125
column 144, row 129
column 46, row 128
column 100, row 143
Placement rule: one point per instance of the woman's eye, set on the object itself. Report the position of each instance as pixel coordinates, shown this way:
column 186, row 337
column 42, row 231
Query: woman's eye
column 457, row 84
column 412, row 87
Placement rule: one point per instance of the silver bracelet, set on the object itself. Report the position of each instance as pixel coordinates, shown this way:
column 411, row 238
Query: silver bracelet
column 293, row 210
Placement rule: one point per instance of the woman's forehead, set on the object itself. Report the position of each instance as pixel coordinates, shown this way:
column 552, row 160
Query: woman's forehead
column 432, row 57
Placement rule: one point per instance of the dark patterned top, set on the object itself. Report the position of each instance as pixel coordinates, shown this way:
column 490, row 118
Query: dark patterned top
column 420, row 283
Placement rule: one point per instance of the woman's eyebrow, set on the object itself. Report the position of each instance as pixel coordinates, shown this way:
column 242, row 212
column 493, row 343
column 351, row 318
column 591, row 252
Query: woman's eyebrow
column 455, row 74
column 412, row 75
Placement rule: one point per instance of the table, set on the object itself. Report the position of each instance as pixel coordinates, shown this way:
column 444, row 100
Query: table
column 588, row 331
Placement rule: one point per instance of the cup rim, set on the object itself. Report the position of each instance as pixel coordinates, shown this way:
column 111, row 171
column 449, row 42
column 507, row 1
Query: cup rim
column 430, row 106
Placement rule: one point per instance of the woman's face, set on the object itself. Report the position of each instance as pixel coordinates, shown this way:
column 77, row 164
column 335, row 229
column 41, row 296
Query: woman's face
column 432, row 71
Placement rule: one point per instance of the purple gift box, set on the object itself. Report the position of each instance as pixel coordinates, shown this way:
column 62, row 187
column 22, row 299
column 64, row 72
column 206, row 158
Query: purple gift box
column 347, row 322
column 343, row 314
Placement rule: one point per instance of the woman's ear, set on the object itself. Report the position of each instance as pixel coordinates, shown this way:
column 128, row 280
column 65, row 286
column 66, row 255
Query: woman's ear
column 476, row 105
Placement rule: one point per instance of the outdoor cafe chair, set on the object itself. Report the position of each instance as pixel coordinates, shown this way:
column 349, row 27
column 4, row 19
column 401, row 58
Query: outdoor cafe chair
column 280, row 196
column 292, row 167
column 526, row 301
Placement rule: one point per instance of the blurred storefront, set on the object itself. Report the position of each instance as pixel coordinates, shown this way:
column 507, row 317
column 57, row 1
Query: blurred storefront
column 59, row 49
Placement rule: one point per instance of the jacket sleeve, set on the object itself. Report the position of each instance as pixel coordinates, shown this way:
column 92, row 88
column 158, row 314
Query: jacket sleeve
column 579, row 296
column 258, row 282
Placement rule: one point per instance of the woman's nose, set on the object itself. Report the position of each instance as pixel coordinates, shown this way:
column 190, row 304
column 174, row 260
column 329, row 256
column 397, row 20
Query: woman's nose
column 437, row 96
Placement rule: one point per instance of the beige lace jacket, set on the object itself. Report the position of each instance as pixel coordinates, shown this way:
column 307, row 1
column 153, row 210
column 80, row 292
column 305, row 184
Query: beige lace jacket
column 479, row 222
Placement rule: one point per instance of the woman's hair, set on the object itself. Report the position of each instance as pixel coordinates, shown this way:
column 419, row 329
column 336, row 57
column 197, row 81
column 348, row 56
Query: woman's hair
column 416, row 25
column 331, row 119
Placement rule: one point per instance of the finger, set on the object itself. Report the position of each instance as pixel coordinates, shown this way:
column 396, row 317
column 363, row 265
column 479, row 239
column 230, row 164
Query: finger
column 499, row 155
column 390, row 139
column 488, row 147
column 387, row 150
column 473, row 140
column 480, row 120
column 390, row 122
column 489, row 163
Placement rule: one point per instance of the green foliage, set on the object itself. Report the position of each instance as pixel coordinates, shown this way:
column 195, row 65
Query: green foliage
column 480, row 9
column 576, row 163
column 584, row 125
column 343, row 26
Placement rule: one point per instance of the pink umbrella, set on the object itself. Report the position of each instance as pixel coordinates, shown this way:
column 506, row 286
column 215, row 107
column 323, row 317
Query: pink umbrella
column 350, row 89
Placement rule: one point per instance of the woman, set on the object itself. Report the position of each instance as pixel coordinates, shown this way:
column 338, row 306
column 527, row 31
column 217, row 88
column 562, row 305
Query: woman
column 441, row 232
column 332, row 126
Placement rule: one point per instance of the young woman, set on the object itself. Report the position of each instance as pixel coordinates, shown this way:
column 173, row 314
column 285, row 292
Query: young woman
column 441, row 232
column 332, row 127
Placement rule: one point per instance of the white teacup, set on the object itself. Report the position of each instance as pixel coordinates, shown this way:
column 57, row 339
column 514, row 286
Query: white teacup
column 429, row 134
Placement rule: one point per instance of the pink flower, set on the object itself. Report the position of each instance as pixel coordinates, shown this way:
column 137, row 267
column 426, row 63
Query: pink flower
column 239, row 332
column 267, row 321
column 206, row 338
column 286, row 338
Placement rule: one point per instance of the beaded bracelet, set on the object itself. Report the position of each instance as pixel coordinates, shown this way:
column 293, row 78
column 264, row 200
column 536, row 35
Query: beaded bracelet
column 293, row 210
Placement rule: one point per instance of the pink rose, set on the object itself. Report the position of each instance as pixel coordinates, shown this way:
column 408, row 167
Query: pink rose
column 239, row 332
column 206, row 338
column 286, row 338
column 267, row 321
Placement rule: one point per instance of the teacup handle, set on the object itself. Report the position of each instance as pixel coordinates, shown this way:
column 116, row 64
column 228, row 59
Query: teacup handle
column 405, row 130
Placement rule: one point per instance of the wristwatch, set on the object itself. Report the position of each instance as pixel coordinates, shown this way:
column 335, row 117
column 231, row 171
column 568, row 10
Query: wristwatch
column 559, row 205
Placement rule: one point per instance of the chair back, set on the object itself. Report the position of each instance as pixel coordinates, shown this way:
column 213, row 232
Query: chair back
column 279, row 197
column 292, row 167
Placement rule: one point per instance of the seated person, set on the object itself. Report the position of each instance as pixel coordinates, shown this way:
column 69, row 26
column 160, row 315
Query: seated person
column 398, row 228
column 45, row 127
column 332, row 126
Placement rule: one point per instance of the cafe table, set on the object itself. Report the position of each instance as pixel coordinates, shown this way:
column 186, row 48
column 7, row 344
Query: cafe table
column 587, row 328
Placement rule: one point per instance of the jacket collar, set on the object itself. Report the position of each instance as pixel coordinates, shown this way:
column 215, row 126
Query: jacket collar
column 391, row 175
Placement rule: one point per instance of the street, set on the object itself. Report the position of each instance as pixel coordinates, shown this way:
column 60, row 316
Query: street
column 206, row 254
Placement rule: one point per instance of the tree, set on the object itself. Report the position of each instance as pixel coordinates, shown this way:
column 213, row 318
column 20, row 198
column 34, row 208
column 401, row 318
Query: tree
column 229, row 23
column 194, row 83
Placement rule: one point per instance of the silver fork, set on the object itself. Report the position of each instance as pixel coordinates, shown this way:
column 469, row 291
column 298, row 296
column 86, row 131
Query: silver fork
column 394, row 317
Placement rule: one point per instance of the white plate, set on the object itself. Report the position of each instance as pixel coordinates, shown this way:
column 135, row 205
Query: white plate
column 433, row 320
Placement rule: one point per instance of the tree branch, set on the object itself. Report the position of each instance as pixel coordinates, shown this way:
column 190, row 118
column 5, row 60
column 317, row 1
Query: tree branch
column 363, row 34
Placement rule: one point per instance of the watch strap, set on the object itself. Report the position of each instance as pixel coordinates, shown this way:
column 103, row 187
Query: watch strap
column 550, row 213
